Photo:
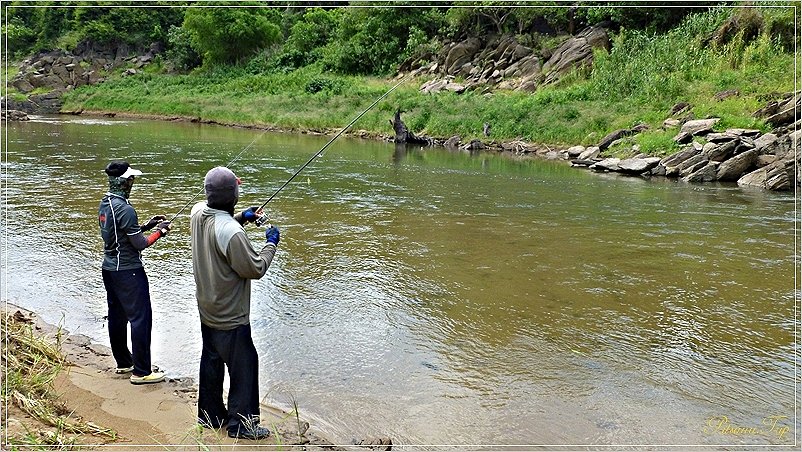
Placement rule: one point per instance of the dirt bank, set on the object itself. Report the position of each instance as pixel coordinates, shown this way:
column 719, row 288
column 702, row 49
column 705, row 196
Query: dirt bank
column 148, row 417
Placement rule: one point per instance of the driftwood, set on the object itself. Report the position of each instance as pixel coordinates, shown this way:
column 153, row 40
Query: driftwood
column 403, row 135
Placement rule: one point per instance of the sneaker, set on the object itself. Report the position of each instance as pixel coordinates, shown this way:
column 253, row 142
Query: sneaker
column 154, row 377
column 123, row 370
column 254, row 433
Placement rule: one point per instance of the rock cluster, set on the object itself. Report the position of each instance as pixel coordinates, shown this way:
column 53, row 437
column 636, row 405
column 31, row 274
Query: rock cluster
column 748, row 157
column 57, row 71
column 504, row 63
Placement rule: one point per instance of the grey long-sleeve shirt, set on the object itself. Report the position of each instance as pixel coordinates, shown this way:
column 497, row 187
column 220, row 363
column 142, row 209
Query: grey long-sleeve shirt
column 224, row 262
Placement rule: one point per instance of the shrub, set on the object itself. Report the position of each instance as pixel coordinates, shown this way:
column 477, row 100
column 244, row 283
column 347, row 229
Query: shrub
column 229, row 35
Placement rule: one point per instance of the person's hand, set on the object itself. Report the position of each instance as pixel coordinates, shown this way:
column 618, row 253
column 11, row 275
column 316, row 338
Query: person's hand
column 164, row 227
column 251, row 214
column 153, row 222
column 272, row 235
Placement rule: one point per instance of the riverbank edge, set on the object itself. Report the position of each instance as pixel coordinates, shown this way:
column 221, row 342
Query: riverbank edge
column 91, row 390
column 518, row 148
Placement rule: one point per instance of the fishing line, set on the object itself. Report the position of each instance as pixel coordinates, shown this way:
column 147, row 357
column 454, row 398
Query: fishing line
column 228, row 165
column 261, row 220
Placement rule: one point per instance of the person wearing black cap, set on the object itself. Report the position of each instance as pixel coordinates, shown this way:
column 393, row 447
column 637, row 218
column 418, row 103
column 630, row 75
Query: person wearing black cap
column 127, row 289
column 224, row 263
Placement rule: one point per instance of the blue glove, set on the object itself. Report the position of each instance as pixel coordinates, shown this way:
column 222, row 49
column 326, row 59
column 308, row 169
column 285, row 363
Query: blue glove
column 272, row 235
column 249, row 214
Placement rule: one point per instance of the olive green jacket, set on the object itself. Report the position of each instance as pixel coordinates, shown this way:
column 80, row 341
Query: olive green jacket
column 224, row 263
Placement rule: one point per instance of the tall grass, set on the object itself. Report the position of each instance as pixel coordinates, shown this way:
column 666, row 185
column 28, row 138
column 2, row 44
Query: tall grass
column 31, row 364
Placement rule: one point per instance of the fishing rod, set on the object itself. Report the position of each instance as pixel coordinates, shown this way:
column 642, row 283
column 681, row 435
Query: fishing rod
column 228, row 165
column 263, row 218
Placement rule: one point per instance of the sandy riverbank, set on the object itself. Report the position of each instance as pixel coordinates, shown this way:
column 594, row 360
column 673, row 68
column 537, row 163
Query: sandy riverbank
column 148, row 417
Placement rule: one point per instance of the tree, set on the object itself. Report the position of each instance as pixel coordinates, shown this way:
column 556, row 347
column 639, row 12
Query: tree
column 231, row 34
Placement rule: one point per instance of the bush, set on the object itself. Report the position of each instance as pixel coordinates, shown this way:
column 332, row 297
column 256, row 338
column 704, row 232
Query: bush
column 19, row 37
column 229, row 35
column 320, row 84
column 179, row 49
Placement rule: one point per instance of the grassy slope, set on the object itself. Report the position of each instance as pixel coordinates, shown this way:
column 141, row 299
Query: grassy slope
column 638, row 81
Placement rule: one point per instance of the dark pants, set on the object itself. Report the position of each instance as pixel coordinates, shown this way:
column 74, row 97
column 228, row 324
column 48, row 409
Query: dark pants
column 233, row 349
column 128, row 296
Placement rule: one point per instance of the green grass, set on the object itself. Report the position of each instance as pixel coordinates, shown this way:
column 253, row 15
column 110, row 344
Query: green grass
column 639, row 80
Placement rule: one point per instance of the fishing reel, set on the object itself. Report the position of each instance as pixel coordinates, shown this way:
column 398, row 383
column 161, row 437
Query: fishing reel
column 261, row 220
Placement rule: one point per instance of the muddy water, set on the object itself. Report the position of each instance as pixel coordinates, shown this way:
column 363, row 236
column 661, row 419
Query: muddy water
column 438, row 297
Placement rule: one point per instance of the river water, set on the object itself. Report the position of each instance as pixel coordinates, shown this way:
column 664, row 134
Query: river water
column 437, row 297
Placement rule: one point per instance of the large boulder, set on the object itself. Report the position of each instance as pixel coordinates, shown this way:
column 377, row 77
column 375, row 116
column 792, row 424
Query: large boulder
column 778, row 176
column 734, row 168
column 576, row 52
column 460, row 54
column 638, row 165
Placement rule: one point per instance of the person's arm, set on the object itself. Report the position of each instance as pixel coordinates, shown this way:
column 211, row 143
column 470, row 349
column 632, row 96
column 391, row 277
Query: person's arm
column 245, row 260
column 140, row 241
column 129, row 224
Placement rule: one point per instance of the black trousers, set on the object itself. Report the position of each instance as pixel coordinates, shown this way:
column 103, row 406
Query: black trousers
column 128, row 297
column 233, row 349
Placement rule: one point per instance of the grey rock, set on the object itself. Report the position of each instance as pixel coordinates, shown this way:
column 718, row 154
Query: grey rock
column 679, row 157
column 706, row 173
column 734, row 168
column 690, row 169
column 766, row 159
column 765, row 140
column 608, row 164
column 453, row 142
column 683, row 137
column 612, row 137
column 699, row 126
column 575, row 151
column 590, row 153
column 777, row 176
column 720, row 151
column 670, row 123
column 638, row 165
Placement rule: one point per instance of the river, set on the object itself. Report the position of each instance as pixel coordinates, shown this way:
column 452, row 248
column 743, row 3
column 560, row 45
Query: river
column 438, row 297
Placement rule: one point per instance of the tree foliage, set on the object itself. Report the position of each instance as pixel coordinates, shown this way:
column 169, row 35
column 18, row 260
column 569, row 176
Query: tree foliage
column 362, row 38
column 229, row 35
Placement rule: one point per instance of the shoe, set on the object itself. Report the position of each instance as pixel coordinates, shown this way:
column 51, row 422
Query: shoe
column 154, row 377
column 254, row 433
column 123, row 370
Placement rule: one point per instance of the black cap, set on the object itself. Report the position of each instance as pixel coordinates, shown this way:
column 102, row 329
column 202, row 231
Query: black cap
column 121, row 168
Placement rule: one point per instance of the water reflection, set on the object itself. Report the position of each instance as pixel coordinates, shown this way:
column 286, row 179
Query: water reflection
column 456, row 298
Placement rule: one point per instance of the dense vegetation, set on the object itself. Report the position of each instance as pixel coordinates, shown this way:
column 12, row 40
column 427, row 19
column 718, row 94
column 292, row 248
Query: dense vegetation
column 307, row 67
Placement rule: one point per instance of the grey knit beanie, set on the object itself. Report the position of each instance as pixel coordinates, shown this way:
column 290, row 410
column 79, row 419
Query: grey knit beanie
column 222, row 188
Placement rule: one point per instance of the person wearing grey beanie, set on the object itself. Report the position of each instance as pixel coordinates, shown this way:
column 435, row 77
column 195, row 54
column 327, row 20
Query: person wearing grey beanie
column 224, row 263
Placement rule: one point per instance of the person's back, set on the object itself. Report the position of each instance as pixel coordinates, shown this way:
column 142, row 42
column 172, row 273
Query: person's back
column 124, row 278
column 224, row 262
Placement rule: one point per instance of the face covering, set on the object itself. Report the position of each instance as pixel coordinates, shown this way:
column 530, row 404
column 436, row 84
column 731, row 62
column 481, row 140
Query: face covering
column 120, row 186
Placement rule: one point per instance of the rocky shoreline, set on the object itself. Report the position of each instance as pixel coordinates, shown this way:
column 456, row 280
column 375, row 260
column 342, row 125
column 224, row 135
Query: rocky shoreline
column 750, row 158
